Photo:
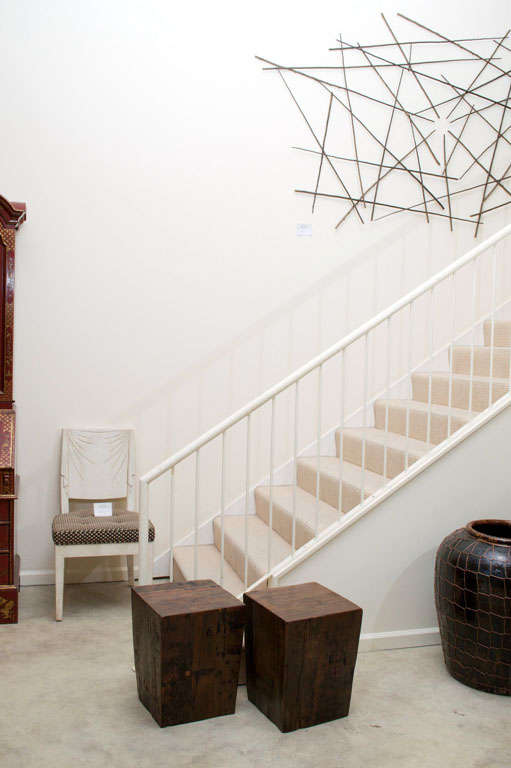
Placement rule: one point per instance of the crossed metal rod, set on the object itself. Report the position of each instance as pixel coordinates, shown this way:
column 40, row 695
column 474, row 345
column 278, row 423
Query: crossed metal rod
column 353, row 132
column 425, row 42
column 380, row 66
column 385, row 205
column 456, row 192
column 476, row 91
column 370, row 162
column 282, row 68
column 368, row 130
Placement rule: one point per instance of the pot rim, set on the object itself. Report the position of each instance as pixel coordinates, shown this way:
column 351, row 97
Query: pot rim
column 486, row 536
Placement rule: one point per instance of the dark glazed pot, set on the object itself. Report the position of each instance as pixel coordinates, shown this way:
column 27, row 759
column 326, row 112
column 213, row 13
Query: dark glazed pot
column 473, row 602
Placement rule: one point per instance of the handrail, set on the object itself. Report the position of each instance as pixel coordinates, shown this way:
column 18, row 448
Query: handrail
column 299, row 373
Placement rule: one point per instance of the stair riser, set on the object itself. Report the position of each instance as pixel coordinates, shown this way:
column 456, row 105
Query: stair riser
column 460, row 393
column 374, row 455
column 282, row 522
column 328, row 489
column 501, row 334
column 418, row 423
column 234, row 555
column 461, row 362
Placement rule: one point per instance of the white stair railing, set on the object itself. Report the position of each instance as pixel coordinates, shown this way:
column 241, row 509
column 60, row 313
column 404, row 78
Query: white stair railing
column 456, row 301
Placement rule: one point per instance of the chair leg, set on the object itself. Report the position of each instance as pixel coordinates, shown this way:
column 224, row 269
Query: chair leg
column 130, row 560
column 59, row 584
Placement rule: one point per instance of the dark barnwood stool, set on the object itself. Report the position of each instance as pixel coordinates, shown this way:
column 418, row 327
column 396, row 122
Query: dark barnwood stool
column 187, row 639
column 301, row 648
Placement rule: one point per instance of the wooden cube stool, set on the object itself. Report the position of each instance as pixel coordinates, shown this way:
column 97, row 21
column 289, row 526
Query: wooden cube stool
column 187, row 639
column 301, row 648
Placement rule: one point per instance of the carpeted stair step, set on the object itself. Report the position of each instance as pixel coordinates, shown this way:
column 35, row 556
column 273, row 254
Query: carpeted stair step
column 257, row 537
column 282, row 512
column 460, row 386
column 329, row 474
column 501, row 333
column 461, row 361
column 418, row 418
column 208, row 567
column 376, row 440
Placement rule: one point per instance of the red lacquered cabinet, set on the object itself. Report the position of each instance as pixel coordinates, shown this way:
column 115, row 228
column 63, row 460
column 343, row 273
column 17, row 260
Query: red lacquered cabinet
column 12, row 215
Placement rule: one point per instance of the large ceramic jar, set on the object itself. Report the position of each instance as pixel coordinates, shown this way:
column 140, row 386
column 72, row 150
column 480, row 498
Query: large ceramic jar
column 473, row 602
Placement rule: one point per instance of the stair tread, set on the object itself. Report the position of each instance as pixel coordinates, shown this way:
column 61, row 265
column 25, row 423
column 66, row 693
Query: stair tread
column 351, row 473
column 390, row 439
column 479, row 348
column 461, row 377
column 257, row 535
column 282, row 496
column 208, row 566
column 418, row 405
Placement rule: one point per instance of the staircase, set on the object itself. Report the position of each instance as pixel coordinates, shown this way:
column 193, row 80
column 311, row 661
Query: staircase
column 413, row 427
column 330, row 486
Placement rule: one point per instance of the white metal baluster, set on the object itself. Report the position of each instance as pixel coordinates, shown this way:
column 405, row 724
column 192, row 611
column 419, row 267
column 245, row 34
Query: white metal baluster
column 451, row 361
column 222, row 512
column 387, row 397
column 196, row 516
column 341, row 435
column 410, row 366
column 247, row 493
column 508, row 352
column 171, row 524
column 272, row 448
column 143, row 533
column 364, row 419
column 492, row 332
column 295, row 467
column 474, row 323
column 430, row 377
column 320, row 392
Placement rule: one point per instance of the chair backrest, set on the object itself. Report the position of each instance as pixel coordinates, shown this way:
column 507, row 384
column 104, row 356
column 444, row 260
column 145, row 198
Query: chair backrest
column 97, row 464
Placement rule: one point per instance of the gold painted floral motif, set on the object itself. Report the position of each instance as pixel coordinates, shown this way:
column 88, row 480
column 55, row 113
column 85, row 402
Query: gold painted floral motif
column 6, row 608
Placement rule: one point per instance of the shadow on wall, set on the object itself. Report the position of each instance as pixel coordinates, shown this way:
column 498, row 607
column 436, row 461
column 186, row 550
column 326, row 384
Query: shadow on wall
column 199, row 397
column 409, row 595
column 182, row 408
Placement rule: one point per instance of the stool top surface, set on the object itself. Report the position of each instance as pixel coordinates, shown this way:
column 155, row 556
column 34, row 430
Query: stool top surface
column 174, row 599
column 301, row 601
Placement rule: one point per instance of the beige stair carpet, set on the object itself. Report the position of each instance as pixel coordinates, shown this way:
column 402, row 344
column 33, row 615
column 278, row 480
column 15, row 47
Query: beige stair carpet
column 501, row 333
column 483, row 357
column 209, row 561
column 283, row 497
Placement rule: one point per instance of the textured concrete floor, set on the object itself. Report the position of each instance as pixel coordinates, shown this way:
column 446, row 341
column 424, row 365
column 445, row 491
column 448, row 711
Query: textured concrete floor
column 68, row 698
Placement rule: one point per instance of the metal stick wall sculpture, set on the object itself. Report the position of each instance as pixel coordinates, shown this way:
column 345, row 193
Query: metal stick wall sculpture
column 449, row 140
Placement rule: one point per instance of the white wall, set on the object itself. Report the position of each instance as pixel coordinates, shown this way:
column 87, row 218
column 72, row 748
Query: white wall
column 159, row 271
column 385, row 561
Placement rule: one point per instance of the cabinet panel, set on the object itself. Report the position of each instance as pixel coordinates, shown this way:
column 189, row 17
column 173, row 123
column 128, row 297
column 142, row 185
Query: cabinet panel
column 4, row 569
column 4, row 536
column 4, row 510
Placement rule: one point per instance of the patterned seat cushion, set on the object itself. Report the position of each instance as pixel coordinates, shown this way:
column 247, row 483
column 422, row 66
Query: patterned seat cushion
column 81, row 527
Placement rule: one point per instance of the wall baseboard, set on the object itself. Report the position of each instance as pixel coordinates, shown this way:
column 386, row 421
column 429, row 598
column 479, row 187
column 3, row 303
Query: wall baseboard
column 401, row 638
column 37, row 578
column 372, row 641
column 47, row 577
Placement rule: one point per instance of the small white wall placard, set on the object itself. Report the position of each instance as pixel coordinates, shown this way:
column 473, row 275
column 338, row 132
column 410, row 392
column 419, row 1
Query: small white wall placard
column 102, row 509
column 304, row 230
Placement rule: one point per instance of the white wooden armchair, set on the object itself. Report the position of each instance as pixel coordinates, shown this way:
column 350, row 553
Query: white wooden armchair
column 96, row 465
